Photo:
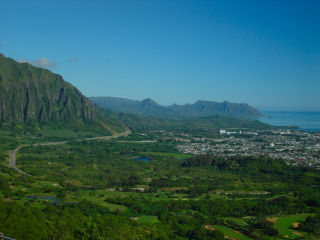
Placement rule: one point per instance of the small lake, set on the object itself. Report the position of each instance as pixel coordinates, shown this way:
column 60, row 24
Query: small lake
column 54, row 200
column 142, row 159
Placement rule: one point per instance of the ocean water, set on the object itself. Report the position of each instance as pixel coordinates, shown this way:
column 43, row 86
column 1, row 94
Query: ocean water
column 306, row 121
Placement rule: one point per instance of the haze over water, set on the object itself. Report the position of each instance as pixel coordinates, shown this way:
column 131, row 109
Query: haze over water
column 307, row 121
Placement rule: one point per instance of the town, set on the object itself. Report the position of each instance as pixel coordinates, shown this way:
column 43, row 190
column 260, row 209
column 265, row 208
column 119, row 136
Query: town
column 295, row 147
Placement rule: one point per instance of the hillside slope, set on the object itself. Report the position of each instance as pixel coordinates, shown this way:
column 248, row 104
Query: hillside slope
column 36, row 96
column 139, row 123
column 210, row 108
column 148, row 107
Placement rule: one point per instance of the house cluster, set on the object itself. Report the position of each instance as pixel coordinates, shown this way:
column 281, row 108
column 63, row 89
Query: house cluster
column 295, row 147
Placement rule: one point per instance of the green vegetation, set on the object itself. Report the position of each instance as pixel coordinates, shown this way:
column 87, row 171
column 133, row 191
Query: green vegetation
column 101, row 190
column 80, row 188
column 33, row 98
column 231, row 233
column 188, row 124
column 311, row 225
column 287, row 225
column 237, row 221
column 148, row 219
column 150, row 108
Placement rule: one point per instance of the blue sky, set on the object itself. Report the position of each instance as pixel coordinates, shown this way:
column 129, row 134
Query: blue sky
column 265, row 53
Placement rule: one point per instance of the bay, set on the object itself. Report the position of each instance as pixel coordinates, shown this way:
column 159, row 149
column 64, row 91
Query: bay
column 306, row 121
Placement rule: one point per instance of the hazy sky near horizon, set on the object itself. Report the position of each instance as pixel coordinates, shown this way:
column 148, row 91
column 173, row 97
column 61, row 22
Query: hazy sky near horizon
column 265, row 53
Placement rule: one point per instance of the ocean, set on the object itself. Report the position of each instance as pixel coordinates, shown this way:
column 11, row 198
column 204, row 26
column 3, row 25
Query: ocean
column 306, row 121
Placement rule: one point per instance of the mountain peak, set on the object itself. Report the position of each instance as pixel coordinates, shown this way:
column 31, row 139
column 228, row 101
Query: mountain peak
column 200, row 108
column 148, row 102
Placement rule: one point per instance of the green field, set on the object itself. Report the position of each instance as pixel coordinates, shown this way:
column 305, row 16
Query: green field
column 148, row 219
column 173, row 155
column 284, row 225
column 238, row 221
column 231, row 233
column 97, row 198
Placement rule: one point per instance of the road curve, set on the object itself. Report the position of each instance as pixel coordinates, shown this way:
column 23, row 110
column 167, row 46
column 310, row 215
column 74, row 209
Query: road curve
column 13, row 153
column 12, row 164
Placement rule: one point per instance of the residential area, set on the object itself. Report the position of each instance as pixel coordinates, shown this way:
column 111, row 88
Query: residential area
column 293, row 146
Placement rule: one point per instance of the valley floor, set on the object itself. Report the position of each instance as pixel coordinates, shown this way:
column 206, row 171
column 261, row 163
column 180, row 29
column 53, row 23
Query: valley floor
column 97, row 189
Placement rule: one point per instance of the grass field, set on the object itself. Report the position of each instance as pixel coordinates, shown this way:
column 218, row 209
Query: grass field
column 231, row 233
column 283, row 225
column 98, row 199
column 112, row 207
column 160, row 196
column 238, row 221
column 148, row 219
column 173, row 155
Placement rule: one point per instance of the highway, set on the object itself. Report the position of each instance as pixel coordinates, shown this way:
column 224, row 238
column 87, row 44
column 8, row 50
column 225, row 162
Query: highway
column 4, row 237
column 13, row 153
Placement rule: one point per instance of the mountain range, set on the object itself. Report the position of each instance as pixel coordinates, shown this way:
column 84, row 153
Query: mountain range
column 187, row 124
column 37, row 98
column 149, row 107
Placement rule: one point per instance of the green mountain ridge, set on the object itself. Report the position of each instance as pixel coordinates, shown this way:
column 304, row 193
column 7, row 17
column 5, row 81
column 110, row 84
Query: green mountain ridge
column 150, row 108
column 216, row 121
column 35, row 96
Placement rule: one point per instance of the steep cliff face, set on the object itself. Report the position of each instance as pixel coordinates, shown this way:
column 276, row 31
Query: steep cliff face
column 210, row 108
column 29, row 94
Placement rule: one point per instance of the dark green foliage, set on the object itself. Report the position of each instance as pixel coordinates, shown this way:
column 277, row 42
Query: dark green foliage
column 72, row 222
column 311, row 225
column 4, row 187
column 217, row 235
column 247, row 165
column 263, row 226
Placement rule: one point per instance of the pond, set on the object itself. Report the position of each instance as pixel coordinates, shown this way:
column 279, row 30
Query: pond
column 143, row 159
column 54, row 200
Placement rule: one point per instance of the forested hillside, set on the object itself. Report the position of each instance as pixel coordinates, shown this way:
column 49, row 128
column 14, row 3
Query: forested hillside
column 212, row 122
column 148, row 107
column 36, row 96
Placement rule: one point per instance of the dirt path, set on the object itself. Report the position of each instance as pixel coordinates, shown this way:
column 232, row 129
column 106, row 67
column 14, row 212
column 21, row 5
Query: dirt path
column 13, row 153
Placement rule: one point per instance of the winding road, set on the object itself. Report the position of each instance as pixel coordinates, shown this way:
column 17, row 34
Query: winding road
column 13, row 153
